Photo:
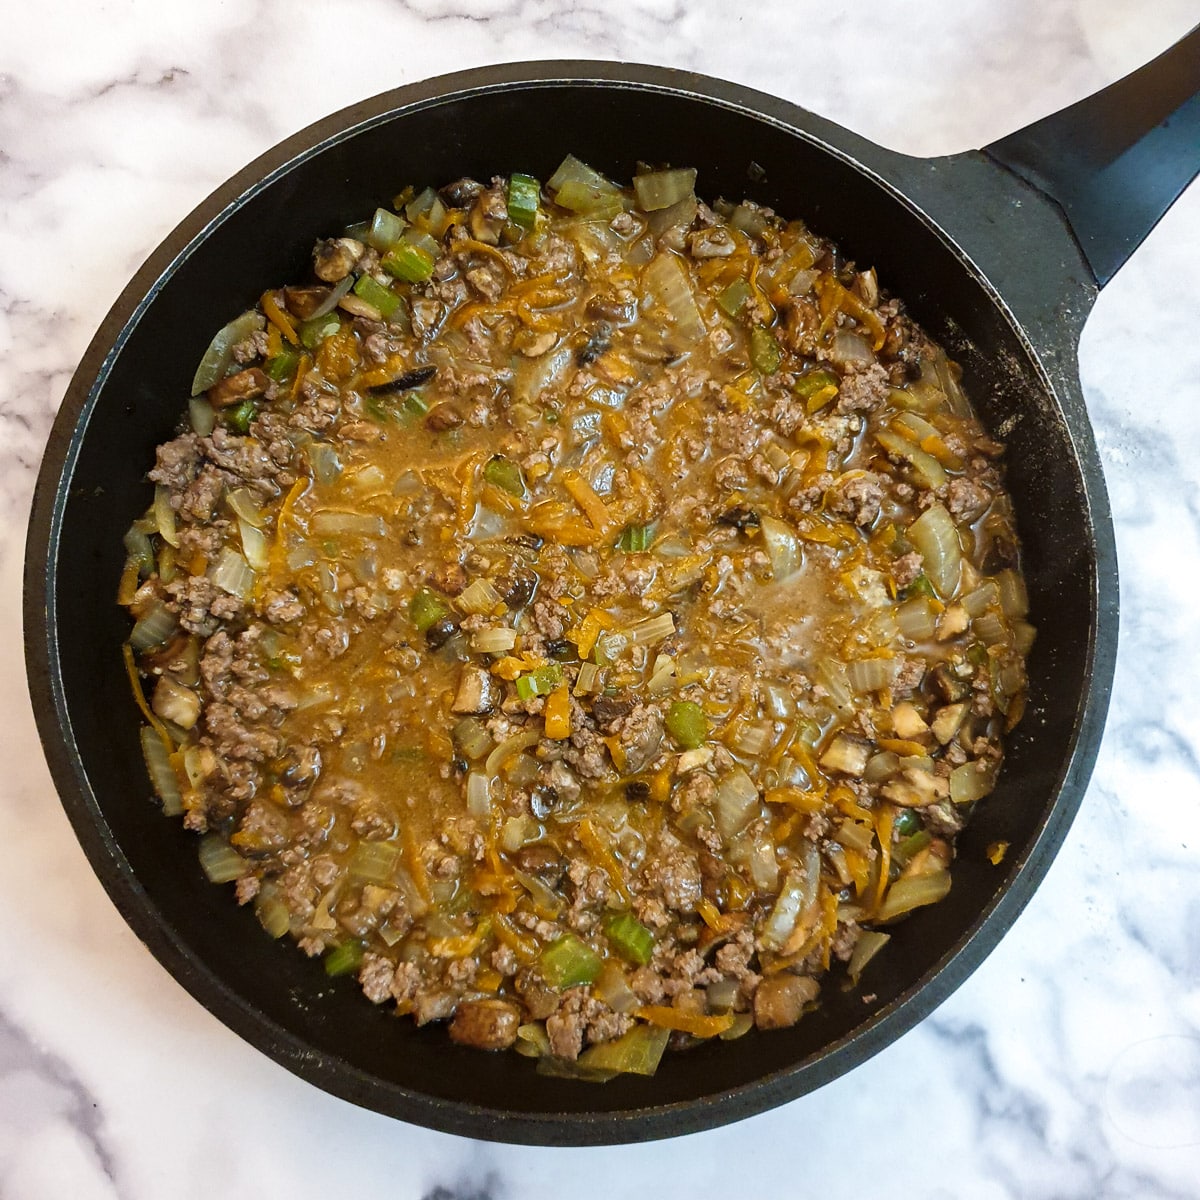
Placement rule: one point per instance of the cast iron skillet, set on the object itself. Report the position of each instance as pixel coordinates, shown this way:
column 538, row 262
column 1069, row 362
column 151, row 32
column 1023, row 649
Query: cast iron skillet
column 999, row 254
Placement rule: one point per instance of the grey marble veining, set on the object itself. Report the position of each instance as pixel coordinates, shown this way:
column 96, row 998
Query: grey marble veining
column 1067, row 1066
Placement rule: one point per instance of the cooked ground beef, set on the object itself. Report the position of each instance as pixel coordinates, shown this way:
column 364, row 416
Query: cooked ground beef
column 554, row 628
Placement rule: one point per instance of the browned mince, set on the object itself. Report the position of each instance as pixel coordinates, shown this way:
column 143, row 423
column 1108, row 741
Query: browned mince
column 596, row 647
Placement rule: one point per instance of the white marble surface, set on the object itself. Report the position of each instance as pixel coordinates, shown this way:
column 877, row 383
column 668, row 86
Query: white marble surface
column 1069, row 1065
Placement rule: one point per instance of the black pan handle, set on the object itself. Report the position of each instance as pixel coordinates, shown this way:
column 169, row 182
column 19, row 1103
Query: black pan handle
column 1118, row 160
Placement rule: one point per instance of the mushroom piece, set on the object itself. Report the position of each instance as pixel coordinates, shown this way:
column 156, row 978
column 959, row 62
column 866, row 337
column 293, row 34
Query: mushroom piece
column 477, row 692
column 174, row 702
column 250, row 384
column 334, row 258
column 485, row 1024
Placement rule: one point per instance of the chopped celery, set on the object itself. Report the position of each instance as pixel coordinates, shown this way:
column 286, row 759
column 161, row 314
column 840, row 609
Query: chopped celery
column 344, row 959
column 220, row 862
column 813, row 383
column 687, row 724
column 764, row 350
column 630, row 938
column 524, row 195
column 919, row 587
column 906, row 823
column 239, row 418
column 568, row 962
column 283, row 366
column 375, row 862
column 375, row 294
column 313, row 333
column 733, row 299
column 635, row 538
column 637, row 1052
column 505, row 474
column 540, row 682
column 408, row 262
column 426, row 608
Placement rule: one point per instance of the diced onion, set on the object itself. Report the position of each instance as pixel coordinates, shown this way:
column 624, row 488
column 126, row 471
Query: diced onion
column 479, row 597
column 494, row 641
column 162, row 774
column 936, row 538
column 385, row 231
column 869, row 944
column 849, row 347
column 798, row 892
column 1013, row 597
column 272, row 914
column 778, row 701
column 971, row 781
column 255, row 546
column 330, row 521
column 763, row 866
column 929, row 471
column 981, row 599
column 916, row 619
column 782, row 546
column 324, row 462
column 872, row 674
column 651, row 630
column 737, row 800
column 175, row 702
column 232, row 573
column 510, row 746
column 472, row 738
column 914, row 891
column 661, row 189
column 667, row 280
column 202, row 415
column 330, row 302
column 216, row 358
column 164, row 516
column 154, row 627
column 244, row 507
column 588, row 679
column 479, row 800
column 990, row 628
column 219, row 860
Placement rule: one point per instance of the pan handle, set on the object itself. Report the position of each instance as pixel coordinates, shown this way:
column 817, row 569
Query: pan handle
column 1116, row 161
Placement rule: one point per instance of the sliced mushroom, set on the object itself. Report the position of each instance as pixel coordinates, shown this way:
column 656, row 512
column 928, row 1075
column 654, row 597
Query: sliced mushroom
column 250, row 384
column 174, row 702
column 485, row 1024
column 477, row 692
column 334, row 258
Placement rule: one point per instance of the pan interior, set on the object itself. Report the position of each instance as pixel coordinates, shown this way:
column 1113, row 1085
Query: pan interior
column 271, row 993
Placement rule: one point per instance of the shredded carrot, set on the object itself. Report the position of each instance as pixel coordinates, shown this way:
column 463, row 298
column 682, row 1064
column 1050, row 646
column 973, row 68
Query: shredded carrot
column 996, row 852
column 883, row 830
column 285, row 515
column 139, row 697
column 463, row 944
column 468, row 472
column 807, row 802
column 902, row 746
column 525, row 948
column 484, row 248
column 416, row 864
column 274, row 342
column 697, row 1024
column 557, row 713
column 591, row 841
column 302, row 370
column 713, row 917
column 278, row 317
column 844, row 800
column 589, row 630
column 585, row 496
column 660, row 786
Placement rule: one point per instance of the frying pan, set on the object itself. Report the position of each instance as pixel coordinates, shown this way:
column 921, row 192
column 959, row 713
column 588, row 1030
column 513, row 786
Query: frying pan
column 999, row 253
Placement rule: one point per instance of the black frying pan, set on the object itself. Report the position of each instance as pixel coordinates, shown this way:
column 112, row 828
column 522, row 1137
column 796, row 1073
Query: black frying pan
column 999, row 254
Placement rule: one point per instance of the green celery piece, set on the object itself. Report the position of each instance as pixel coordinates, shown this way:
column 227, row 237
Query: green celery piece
column 240, row 417
column 408, row 262
column 426, row 608
column 525, row 688
column 920, row 587
column 764, row 350
column 415, row 404
column 505, row 474
column 812, row 382
column 635, row 538
column 687, row 724
column 907, row 822
column 630, row 938
column 568, row 962
column 374, row 293
column 344, row 959
column 313, row 333
column 547, row 677
column 282, row 366
column 524, row 198
column 733, row 299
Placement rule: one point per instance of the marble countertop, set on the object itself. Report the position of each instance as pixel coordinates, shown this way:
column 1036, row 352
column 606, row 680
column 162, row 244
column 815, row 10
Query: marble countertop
column 1068, row 1065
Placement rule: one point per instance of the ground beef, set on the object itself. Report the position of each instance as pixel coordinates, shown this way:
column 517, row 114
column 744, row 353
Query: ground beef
column 864, row 390
column 907, row 568
column 857, row 498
